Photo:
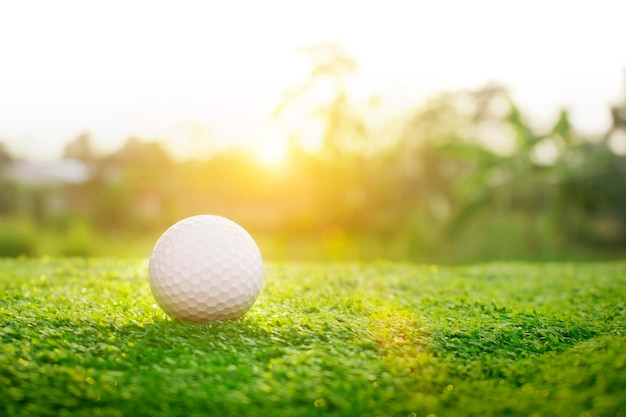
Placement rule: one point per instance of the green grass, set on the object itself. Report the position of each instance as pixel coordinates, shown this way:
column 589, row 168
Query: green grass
column 83, row 337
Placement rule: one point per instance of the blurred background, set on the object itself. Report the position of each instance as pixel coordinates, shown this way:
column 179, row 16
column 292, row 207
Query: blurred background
column 439, row 132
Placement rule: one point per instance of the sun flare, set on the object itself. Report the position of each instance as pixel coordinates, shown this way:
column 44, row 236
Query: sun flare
column 272, row 151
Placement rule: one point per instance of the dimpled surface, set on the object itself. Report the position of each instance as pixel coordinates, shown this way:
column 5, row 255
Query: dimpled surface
column 205, row 268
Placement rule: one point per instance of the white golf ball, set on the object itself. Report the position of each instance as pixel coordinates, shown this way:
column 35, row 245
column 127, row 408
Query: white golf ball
column 205, row 268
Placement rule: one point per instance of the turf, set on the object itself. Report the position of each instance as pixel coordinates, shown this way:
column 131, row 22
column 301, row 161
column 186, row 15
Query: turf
column 84, row 337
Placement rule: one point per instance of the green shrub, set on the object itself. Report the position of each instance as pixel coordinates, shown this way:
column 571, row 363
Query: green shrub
column 78, row 240
column 17, row 240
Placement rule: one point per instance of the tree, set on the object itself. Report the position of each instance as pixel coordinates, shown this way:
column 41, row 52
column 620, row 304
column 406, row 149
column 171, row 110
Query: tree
column 5, row 154
column 324, row 98
column 511, row 182
column 81, row 148
column 131, row 187
column 8, row 188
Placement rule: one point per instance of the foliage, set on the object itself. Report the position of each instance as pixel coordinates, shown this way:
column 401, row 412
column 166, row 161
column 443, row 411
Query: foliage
column 78, row 240
column 17, row 238
column 465, row 174
column 84, row 337
column 554, row 177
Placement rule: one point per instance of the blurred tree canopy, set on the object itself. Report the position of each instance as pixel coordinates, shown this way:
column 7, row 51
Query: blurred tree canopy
column 465, row 177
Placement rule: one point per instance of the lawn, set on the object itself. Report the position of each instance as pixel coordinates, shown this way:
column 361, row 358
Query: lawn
column 84, row 337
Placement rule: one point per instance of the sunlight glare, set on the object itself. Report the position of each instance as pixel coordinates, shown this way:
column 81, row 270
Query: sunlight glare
column 308, row 131
column 273, row 150
column 311, row 137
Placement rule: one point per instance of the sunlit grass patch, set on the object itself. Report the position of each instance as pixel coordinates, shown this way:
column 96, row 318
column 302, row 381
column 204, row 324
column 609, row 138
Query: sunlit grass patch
column 84, row 337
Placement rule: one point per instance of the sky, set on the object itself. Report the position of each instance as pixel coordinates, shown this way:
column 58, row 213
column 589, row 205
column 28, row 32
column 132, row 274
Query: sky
column 210, row 72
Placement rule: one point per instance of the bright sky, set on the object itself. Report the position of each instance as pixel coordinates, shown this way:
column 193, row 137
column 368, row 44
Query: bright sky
column 213, row 70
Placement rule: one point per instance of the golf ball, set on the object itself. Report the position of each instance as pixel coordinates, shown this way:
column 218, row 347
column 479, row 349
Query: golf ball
column 205, row 268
